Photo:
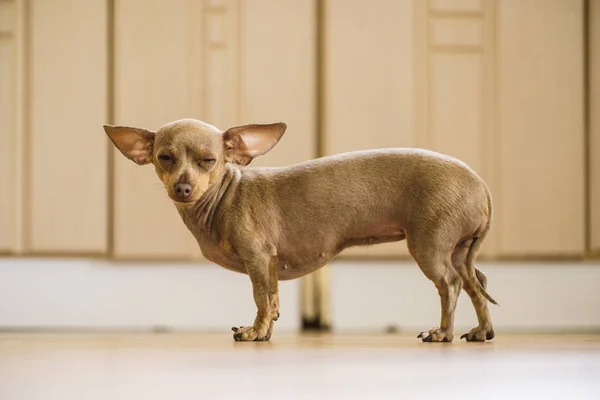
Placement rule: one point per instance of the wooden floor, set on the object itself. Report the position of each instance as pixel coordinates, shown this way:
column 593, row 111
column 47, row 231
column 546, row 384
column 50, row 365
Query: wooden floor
column 204, row 366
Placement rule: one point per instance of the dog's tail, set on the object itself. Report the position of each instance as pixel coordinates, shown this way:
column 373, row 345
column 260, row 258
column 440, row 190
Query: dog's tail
column 474, row 249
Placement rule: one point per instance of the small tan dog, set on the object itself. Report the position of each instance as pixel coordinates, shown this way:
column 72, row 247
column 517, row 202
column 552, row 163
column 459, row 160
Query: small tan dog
column 282, row 223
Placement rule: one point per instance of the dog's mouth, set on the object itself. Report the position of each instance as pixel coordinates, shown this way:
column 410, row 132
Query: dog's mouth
column 184, row 202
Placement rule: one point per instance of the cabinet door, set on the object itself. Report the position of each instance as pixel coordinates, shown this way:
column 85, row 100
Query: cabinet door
column 540, row 148
column 66, row 152
column 594, row 107
column 157, row 44
column 224, row 62
column 454, row 84
column 8, row 127
column 278, row 74
column 368, row 73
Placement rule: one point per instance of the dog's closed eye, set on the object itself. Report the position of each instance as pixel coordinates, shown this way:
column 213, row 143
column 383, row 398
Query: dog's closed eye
column 165, row 157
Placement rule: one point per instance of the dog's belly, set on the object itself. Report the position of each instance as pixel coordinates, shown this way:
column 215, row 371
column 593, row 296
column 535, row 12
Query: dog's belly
column 293, row 265
column 289, row 270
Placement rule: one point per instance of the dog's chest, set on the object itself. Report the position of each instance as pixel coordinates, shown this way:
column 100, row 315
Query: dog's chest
column 222, row 254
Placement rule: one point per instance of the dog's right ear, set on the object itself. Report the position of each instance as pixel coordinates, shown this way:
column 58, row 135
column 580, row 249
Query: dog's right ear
column 135, row 144
column 245, row 143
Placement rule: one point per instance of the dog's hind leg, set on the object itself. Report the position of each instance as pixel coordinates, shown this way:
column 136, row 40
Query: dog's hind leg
column 484, row 331
column 436, row 265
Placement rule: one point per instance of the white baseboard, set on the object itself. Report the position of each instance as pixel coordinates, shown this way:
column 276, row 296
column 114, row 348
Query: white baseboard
column 367, row 296
column 104, row 295
column 533, row 296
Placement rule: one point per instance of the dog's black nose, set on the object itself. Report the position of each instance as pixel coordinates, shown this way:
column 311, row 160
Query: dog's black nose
column 183, row 190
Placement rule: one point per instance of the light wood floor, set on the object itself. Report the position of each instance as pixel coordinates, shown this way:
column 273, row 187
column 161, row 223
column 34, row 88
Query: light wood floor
column 206, row 366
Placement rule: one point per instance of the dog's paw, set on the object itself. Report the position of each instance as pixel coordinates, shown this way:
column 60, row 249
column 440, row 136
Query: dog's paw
column 436, row 335
column 479, row 334
column 250, row 334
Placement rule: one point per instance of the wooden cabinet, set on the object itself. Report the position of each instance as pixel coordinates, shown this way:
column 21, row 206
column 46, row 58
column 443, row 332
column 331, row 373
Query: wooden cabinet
column 65, row 153
column 496, row 83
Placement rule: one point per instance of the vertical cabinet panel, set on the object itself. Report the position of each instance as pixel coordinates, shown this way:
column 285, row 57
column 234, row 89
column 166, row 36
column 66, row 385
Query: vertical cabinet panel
column 278, row 74
column 454, row 84
column 157, row 80
column 368, row 75
column 66, row 195
column 368, row 83
column 594, row 107
column 540, row 208
column 8, row 134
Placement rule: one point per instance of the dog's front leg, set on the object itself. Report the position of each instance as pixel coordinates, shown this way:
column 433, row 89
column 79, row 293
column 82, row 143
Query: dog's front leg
column 263, row 274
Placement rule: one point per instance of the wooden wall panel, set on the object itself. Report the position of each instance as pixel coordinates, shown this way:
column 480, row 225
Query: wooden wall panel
column 8, row 129
column 540, row 208
column 158, row 79
column 594, row 107
column 66, row 151
column 278, row 74
column 368, row 83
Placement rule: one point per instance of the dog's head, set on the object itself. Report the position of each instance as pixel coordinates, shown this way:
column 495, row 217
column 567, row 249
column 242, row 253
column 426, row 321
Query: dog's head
column 190, row 155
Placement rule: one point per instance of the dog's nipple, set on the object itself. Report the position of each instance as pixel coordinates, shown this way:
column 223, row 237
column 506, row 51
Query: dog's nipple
column 322, row 255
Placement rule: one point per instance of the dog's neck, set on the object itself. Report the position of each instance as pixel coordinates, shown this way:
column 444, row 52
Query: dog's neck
column 202, row 217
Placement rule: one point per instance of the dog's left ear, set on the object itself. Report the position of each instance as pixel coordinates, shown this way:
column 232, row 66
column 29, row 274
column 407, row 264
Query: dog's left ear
column 135, row 144
column 245, row 143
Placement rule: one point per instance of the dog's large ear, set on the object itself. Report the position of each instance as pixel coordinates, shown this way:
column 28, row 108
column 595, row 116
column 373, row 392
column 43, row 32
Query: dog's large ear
column 135, row 144
column 244, row 143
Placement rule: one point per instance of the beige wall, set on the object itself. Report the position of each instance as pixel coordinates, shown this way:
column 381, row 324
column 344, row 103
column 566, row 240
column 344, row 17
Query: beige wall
column 497, row 83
